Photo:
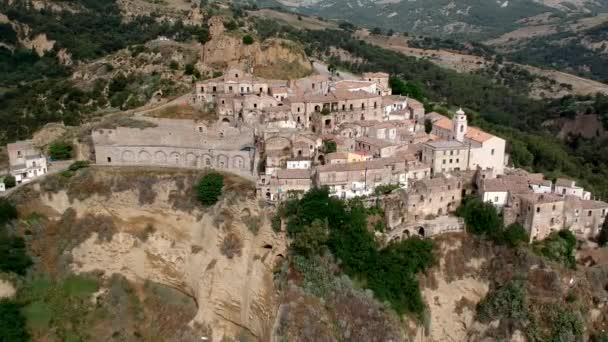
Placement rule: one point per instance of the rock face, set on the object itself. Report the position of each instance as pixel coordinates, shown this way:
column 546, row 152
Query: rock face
column 212, row 255
column 227, row 50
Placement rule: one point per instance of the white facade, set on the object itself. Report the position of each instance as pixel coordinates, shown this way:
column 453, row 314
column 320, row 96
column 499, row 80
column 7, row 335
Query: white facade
column 26, row 162
column 299, row 164
column 541, row 188
column 498, row 198
column 489, row 154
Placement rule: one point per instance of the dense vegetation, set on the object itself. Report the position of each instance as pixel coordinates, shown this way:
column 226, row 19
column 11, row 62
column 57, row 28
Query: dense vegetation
column 210, row 188
column 12, row 322
column 558, row 246
column 35, row 89
column 319, row 224
column 567, row 51
column 13, row 255
column 60, row 150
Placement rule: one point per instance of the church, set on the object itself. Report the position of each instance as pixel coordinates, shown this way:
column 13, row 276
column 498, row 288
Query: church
column 460, row 147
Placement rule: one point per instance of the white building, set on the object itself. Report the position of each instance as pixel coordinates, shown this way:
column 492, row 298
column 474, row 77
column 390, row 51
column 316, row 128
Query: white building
column 2, row 186
column 26, row 162
column 564, row 187
column 300, row 163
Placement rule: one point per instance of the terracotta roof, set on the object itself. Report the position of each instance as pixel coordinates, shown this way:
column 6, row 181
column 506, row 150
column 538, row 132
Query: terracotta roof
column 414, row 103
column 443, row 123
column 478, row 135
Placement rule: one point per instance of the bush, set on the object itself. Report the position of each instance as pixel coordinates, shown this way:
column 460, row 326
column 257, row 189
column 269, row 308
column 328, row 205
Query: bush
column 558, row 246
column 77, row 165
column 507, row 302
column 8, row 211
column 253, row 223
column 60, row 150
column 13, row 255
column 514, row 235
column 210, row 188
column 231, row 246
column 9, row 181
column 12, row 322
column 247, row 40
column 276, row 224
column 481, row 218
column 329, row 146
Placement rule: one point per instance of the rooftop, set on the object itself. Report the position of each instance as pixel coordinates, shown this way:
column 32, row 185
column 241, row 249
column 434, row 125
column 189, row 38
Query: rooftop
column 293, row 174
column 445, row 144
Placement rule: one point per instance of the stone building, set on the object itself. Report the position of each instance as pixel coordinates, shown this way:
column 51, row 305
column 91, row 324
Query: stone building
column 446, row 156
column 428, row 198
column 178, row 143
column 348, row 180
column 26, row 162
column 283, row 184
column 233, row 81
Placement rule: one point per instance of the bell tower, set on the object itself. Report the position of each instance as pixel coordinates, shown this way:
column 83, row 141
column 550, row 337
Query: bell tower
column 459, row 123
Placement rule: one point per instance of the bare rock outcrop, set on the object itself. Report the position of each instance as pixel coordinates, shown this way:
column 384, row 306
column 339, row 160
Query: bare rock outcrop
column 222, row 256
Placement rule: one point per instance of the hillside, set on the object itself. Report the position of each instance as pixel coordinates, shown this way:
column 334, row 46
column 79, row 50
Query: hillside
column 471, row 18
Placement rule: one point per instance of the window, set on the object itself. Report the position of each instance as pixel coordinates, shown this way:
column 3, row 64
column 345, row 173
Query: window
column 444, row 161
column 236, row 75
column 313, row 86
column 462, row 130
column 450, row 161
column 363, row 106
column 451, row 153
column 538, row 209
column 457, row 160
column 214, row 89
column 589, row 213
column 375, row 105
column 495, row 199
column 230, row 88
column 298, row 109
column 351, row 106
column 255, row 105
column 109, row 160
column 553, row 208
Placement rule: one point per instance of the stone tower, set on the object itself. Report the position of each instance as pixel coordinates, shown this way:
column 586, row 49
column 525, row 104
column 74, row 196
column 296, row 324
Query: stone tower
column 459, row 125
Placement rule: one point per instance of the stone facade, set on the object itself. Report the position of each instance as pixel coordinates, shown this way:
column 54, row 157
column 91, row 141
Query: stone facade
column 178, row 143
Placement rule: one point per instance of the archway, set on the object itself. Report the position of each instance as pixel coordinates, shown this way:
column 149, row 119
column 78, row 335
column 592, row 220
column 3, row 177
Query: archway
column 421, row 231
column 226, row 120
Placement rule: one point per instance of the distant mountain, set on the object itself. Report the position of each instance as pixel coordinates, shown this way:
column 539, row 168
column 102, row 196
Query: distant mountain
column 471, row 18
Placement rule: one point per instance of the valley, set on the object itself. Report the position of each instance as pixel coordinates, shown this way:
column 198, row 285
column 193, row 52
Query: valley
column 186, row 171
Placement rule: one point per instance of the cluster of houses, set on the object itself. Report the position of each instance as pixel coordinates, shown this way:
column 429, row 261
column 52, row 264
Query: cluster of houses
column 354, row 137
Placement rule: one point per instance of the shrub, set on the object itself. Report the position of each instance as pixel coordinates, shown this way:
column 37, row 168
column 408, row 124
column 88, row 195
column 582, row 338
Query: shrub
column 231, row 246
column 8, row 211
column 247, row 40
column 514, row 235
column 60, row 150
column 558, row 246
column 77, row 165
column 210, row 188
column 9, row 181
column 481, row 218
column 507, row 302
column 329, row 146
column 310, row 240
column 276, row 223
column 230, row 25
column 253, row 223
column 12, row 322
column 13, row 255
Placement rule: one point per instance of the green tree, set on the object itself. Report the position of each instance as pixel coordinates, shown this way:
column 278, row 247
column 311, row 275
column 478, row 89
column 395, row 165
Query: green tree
column 481, row 218
column 210, row 188
column 515, row 235
column 247, row 40
column 8, row 211
column 329, row 146
column 189, row 69
column 428, row 126
column 60, row 150
column 9, row 181
column 377, row 31
column 311, row 239
column 12, row 322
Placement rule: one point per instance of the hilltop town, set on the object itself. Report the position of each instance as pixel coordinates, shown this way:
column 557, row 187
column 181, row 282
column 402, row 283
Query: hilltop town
column 354, row 137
